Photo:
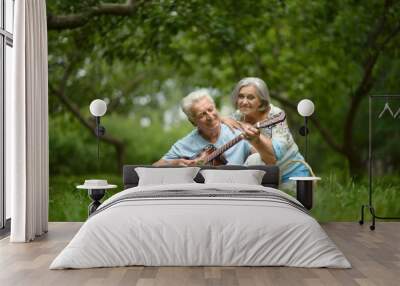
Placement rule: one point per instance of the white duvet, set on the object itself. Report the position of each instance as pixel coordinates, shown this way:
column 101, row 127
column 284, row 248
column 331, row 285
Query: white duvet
column 200, row 231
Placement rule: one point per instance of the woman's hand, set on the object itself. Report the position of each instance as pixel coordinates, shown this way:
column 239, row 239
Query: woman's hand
column 250, row 132
column 261, row 143
column 231, row 123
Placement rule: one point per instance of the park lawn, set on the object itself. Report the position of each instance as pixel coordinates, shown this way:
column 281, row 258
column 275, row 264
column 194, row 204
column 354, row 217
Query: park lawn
column 334, row 200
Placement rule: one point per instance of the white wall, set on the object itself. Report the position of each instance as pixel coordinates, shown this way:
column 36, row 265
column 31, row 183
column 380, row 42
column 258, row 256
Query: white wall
column 9, row 61
column 9, row 9
column 8, row 85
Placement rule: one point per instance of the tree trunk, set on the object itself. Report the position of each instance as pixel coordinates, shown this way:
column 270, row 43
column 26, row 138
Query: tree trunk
column 356, row 166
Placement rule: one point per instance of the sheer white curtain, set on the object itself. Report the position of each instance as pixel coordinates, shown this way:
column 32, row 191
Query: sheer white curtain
column 27, row 124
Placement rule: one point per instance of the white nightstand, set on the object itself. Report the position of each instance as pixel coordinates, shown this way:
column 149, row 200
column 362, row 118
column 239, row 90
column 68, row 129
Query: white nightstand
column 96, row 191
column 304, row 190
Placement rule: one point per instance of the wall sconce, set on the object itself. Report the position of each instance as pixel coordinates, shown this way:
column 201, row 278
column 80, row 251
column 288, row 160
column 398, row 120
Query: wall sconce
column 305, row 108
column 98, row 108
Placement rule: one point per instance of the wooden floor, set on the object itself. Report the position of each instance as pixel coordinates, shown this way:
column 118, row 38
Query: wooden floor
column 374, row 255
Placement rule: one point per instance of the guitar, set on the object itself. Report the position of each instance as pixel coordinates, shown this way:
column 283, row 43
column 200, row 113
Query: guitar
column 213, row 156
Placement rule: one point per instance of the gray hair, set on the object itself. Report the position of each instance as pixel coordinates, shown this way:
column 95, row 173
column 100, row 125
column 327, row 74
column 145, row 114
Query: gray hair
column 261, row 87
column 193, row 97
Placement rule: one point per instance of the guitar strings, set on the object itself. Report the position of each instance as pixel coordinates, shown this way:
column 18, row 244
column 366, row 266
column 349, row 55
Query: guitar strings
column 276, row 119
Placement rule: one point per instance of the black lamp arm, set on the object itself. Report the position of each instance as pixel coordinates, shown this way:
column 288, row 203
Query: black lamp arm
column 99, row 130
column 304, row 132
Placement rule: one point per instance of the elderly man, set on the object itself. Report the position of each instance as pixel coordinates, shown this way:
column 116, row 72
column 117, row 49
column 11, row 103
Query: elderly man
column 200, row 109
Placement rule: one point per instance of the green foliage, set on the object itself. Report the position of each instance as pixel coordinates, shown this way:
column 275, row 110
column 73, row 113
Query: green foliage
column 73, row 149
column 146, row 144
column 145, row 63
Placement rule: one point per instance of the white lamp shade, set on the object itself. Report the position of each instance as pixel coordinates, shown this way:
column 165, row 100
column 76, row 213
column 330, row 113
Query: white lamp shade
column 305, row 107
column 98, row 107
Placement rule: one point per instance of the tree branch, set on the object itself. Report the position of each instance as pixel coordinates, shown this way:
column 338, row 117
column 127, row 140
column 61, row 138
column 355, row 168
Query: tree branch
column 394, row 33
column 131, row 86
column 371, row 41
column 73, row 21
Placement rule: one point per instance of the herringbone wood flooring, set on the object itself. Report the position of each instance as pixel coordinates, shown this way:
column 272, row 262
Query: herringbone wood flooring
column 374, row 255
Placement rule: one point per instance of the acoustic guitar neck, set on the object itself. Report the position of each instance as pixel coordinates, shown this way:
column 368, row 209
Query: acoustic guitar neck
column 280, row 117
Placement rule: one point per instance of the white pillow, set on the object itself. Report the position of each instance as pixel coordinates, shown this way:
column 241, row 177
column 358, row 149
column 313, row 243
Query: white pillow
column 248, row 177
column 166, row 176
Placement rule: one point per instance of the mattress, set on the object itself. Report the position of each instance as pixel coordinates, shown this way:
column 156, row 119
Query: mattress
column 201, row 225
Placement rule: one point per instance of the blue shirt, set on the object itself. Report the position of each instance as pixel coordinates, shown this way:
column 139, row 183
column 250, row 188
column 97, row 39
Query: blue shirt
column 193, row 143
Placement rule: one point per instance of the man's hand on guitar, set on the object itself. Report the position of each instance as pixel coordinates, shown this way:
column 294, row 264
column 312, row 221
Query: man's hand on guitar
column 184, row 162
column 176, row 162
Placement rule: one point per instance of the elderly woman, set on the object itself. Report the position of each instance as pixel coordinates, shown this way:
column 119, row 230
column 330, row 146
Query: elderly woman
column 252, row 101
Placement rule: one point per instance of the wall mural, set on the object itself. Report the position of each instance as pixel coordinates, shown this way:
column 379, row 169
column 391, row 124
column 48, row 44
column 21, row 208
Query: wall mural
column 143, row 60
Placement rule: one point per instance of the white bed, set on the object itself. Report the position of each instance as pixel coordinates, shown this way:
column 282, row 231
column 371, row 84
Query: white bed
column 250, row 226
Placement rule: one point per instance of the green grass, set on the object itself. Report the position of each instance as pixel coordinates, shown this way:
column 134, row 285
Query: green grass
column 341, row 201
column 335, row 199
